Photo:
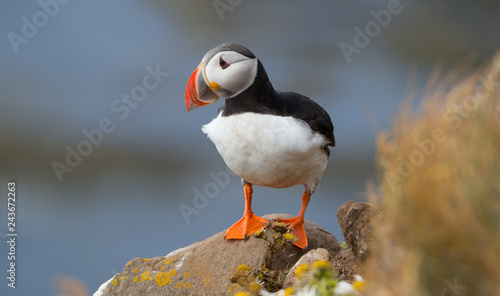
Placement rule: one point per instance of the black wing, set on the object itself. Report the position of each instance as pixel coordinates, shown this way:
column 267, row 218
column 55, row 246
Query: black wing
column 261, row 98
column 301, row 107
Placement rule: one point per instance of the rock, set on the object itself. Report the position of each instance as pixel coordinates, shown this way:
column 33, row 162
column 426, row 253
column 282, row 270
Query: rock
column 312, row 256
column 207, row 267
column 354, row 218
column 317, row 237
column 344, row 265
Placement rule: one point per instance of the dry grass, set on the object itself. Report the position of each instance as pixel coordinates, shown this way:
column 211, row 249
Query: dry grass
column 68, row 286
column 440, row 192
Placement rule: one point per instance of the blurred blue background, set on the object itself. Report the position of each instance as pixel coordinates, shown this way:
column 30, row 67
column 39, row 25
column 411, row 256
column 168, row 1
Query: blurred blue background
column 60, row 74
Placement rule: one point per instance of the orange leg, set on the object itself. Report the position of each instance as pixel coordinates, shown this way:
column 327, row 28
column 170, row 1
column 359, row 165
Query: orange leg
column 297, row 223
column 250, row 222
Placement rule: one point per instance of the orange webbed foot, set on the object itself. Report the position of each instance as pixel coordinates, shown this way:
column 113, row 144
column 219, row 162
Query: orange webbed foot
column 246, row 226
column 297, row 229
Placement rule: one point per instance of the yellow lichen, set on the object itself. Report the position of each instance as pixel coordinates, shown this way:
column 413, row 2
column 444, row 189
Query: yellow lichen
column 178, row 286
column 163, row 278
column 136, row 279
column 145, row 275
column 128, row 263
column 146, row 259
column 187, row 285
column 108, row 290
column 134, row 270
column 301, row 269
column 187, row 274
column 242, row 294
column 233, row 287
column 114, row 282
column 169, row 260
column 123, row 278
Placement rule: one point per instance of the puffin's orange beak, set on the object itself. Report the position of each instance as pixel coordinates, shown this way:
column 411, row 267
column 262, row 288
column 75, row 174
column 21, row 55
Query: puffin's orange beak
column 198, row 93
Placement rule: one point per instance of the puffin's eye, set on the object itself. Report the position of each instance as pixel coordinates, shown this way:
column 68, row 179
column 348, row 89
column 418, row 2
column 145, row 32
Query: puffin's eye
column 223, row 64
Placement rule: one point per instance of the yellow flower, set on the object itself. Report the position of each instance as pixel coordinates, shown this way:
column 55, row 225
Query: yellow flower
column 358, row 283
column 301, row 269
column 280, row 227
column 289, row 291
column 243, row 268
column 254, row 287
column 260, row 233
column 321, row 264
column 289, row 237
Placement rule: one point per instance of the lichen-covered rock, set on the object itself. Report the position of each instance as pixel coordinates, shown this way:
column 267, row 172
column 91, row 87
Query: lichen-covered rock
column 312, row 256
column 206, row 267
column 344, row 265
column 354, row 219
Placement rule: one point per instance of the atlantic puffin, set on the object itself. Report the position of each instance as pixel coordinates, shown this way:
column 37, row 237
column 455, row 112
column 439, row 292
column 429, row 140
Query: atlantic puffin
column 266, row 137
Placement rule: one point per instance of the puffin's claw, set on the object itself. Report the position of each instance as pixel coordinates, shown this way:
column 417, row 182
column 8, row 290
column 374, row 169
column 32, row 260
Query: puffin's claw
column 246, row 226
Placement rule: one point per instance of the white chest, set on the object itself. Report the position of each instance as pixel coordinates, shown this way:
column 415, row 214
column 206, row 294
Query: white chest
column 269, row 150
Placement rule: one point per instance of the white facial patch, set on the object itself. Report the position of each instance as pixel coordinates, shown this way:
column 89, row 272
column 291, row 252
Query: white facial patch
column 234, row 79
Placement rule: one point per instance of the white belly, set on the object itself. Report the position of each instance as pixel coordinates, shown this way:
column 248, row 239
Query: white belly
column 269, row 150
